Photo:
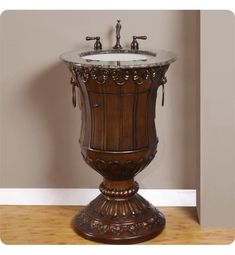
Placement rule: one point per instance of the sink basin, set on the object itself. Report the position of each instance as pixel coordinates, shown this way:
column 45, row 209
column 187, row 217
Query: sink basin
column 128, row 56
column 121, row 59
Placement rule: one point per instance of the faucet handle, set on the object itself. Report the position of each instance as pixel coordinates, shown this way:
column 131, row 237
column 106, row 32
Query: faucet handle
column 97, row 45
column 135, row 44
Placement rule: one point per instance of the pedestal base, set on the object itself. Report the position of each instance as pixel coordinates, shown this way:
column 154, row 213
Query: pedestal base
column 119, row 221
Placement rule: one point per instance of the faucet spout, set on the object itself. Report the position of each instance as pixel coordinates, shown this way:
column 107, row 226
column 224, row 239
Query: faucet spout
column 118, row 28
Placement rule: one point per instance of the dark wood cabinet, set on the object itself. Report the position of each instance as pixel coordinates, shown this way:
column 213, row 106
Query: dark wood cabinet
column 118, row 140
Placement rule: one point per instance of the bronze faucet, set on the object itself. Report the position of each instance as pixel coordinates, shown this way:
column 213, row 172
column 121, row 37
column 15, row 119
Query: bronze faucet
column 97, row 45
column 135, row 44
column 118, row 28
column 117, row 46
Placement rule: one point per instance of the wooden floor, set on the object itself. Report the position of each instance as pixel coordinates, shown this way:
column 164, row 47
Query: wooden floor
column 51, row 225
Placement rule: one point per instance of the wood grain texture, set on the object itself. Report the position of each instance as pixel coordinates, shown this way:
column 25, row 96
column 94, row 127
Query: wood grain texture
column 51, row 225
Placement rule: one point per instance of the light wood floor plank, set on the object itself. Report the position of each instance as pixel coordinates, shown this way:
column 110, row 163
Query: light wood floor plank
column 51, row 225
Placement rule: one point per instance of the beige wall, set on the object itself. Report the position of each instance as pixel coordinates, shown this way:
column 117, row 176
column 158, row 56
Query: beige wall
column 40, row 128
column 216, row 196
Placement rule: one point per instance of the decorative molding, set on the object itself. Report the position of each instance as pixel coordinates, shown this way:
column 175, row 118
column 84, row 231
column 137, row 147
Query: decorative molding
column 119, row 218
column 131, row 207
column 159, row 197
column 119, row 193
column 119, row 168
column 118, row 76
column 118, row 229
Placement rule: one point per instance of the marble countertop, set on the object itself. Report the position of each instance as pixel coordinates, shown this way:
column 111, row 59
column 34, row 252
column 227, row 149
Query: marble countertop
column 154, row 58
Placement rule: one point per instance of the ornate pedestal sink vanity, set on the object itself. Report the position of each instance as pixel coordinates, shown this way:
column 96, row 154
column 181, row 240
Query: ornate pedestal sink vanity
column 117, row 92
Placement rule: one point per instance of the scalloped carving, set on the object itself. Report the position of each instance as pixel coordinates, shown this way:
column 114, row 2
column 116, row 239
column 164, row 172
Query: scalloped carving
column 131, row 206
column 119, row 169
column 119, row 76
column 118, row 229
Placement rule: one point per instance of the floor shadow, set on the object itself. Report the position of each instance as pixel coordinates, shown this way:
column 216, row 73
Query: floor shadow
column 191, row 213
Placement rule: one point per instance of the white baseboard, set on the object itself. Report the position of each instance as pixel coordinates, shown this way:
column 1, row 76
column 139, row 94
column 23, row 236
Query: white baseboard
column 158, row 197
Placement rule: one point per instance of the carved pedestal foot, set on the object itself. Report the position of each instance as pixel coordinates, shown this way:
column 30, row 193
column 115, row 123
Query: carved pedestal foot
column 119, row 216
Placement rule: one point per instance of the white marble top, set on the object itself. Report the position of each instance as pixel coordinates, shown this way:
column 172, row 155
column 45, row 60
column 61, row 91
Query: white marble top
column 119, row 58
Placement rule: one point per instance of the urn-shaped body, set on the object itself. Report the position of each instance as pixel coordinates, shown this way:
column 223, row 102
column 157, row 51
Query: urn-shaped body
column 118, row 135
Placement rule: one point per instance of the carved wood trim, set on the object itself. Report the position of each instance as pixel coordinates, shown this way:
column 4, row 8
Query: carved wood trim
column 131, row 229
column 119, row 76
column 119, row 169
